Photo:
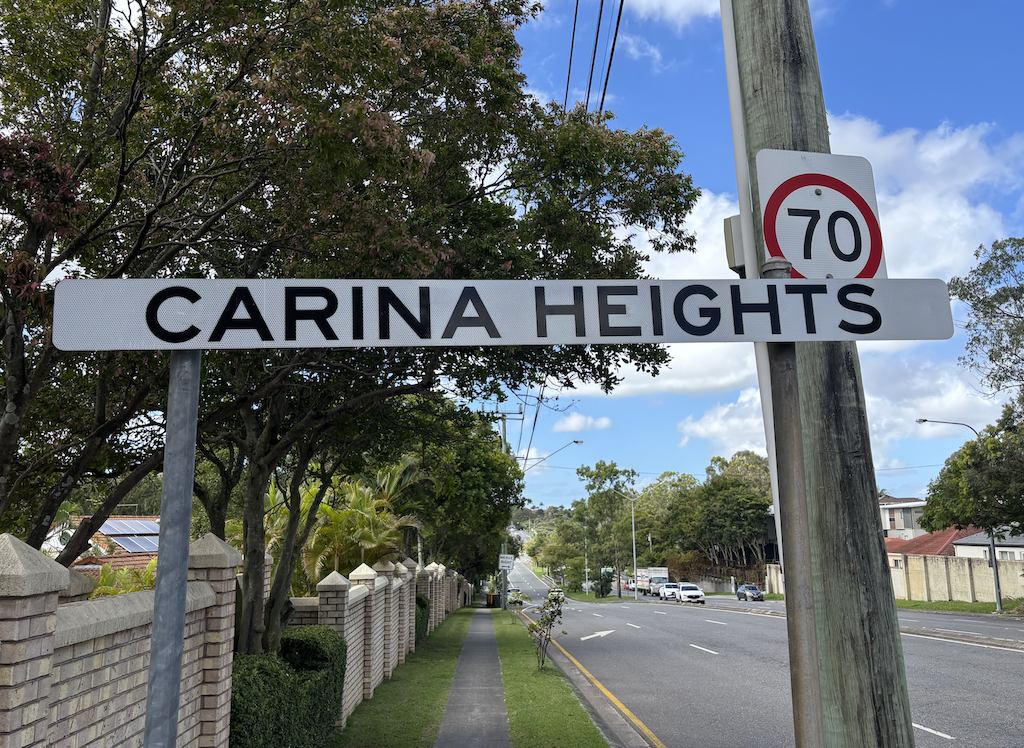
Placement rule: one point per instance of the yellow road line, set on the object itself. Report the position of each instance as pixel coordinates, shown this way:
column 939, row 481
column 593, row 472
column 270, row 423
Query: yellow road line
column 621, row 707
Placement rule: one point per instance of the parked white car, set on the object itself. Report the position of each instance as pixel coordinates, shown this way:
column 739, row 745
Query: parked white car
column 689, row 593
column 668, row 591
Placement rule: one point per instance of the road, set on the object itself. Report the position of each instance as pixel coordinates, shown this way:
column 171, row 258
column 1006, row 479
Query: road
column 717, row 675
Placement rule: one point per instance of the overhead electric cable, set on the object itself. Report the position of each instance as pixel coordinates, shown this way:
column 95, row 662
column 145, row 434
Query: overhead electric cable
column 572, row 45
column 593, row 58
column 540, row 399
column 611, row 57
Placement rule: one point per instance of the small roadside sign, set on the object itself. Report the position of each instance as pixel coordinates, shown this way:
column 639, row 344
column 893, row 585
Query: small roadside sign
column 506, row 561
column 819, row 212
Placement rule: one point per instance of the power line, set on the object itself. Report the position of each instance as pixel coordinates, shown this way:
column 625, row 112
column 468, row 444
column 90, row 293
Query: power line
column 593, row 58
column 611, row 57
column 572, row 46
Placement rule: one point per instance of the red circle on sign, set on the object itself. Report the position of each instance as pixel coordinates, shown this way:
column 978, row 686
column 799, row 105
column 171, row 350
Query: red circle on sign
column 791, row 185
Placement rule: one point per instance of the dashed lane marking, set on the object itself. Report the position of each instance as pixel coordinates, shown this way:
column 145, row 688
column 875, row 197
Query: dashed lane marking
column 709, row 651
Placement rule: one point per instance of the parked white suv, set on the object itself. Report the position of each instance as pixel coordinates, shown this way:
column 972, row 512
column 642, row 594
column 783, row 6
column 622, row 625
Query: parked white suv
column 668, row 591
column 689, row 593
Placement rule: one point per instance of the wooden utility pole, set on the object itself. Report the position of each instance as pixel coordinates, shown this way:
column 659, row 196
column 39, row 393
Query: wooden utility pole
column 848, row 678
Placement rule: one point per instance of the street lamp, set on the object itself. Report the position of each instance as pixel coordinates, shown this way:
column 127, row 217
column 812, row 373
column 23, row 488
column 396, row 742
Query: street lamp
column 632, row 511
column 991, row 537
column 538, row 462
column 952, row 423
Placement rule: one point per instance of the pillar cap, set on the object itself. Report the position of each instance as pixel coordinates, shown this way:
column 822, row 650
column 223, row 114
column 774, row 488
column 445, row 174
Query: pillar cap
column 362, row 574
column 25, row 572
column 210, row 552
column 332, row 582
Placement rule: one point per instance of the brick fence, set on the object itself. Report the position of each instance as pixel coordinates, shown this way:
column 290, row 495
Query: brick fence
column 73, row 672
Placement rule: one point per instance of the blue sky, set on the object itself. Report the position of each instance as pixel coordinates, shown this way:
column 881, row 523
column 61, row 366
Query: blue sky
column 929, row 93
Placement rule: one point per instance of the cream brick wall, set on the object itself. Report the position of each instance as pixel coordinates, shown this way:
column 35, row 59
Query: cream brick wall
column 375, row 610
column 75, row 675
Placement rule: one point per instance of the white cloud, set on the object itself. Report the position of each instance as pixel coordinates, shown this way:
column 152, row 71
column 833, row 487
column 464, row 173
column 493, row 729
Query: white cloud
column 928, row 187
column 637, row 48
column 580, row 422
column 730, row 427
column 675, row 12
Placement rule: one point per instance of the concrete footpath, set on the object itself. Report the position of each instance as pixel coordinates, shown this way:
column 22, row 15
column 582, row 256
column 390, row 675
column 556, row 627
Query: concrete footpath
column 475, row 716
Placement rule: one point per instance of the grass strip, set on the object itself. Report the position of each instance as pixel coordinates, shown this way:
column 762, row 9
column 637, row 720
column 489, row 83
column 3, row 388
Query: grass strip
column 406, row 711
column 543, row 711
column 957, row 606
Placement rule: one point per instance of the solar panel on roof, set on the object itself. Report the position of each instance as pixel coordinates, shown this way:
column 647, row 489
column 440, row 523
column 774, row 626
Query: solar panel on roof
column 115, row 527
column 128, row 543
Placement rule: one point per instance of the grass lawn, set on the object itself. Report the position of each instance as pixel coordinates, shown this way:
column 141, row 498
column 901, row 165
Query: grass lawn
column 543, row 711
column 406, row 711
column 957, row 606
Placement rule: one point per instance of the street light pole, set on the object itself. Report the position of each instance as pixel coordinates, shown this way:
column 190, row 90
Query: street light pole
column 632, row 512
column 538, row 462
column 991, row 538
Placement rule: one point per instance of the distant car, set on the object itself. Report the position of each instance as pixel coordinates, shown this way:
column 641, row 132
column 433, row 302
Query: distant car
column 513, row 589
column 515, row 597
column 668, row 591
column 749, row 592
column 556, row 594
column 690, row 593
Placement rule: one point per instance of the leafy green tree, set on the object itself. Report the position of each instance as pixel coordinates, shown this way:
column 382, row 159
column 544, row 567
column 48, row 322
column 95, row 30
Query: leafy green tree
column 982, row 483
column 994, row 294
column 387, row 138
column 608, row 510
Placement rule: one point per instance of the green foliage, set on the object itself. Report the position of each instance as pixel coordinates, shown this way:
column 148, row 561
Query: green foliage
column 422, row 617
column 291, row 699
column 549, row 615
column 982, row 483
column 124, row 580
column 603, row 586
column 994, row 295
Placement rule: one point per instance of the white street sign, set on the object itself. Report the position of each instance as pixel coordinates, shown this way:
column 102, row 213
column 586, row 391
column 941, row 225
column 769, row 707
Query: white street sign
column 136, row 314
column 819, row 212
column 506, row 561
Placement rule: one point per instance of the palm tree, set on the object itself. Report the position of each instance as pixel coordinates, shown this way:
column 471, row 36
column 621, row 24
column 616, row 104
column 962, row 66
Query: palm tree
column 392, row 483
column 363, row 528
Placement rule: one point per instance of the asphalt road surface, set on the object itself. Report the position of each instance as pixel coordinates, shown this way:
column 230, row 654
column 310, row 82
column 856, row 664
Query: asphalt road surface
column 717, row 675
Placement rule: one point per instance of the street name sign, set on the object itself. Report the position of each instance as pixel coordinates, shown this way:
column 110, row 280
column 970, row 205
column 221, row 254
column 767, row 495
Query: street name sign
column 819, row 212
column 212, row 314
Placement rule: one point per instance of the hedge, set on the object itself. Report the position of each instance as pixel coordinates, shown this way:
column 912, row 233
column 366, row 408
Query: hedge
column 291, row 700
column 422, row 617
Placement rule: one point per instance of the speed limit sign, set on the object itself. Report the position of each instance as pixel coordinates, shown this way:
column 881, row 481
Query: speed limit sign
column 819, row 212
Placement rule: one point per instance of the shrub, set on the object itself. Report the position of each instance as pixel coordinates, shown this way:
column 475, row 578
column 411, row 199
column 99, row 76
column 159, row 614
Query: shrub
column 422, row 617
column 292, row 699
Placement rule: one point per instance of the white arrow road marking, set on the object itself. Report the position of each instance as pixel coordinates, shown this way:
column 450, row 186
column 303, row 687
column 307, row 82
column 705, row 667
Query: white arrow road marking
column 933, row 732
column 709, row 651
column 633, row 625
column 599, row 633
column 720, row 623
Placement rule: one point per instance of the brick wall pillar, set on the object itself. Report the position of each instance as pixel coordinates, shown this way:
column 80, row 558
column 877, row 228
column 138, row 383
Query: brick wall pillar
column 212, row 560
column 30, row 583
column 366, row 577
column 433, row 595
column 405, row 580
column 386, row 569
column 333, row 593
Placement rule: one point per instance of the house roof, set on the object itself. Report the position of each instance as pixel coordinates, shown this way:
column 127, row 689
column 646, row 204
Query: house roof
column 933, row 544
column 981, row 538
column 131, row 534
column 894, row 502
column 91, row 565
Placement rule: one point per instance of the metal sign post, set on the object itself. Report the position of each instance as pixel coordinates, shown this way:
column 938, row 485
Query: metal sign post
column 163, row 690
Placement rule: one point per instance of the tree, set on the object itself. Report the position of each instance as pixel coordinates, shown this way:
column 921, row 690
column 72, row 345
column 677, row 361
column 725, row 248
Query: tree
column 384, row 138
column 607, row 486
column 982, row 483
column 994, row 295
